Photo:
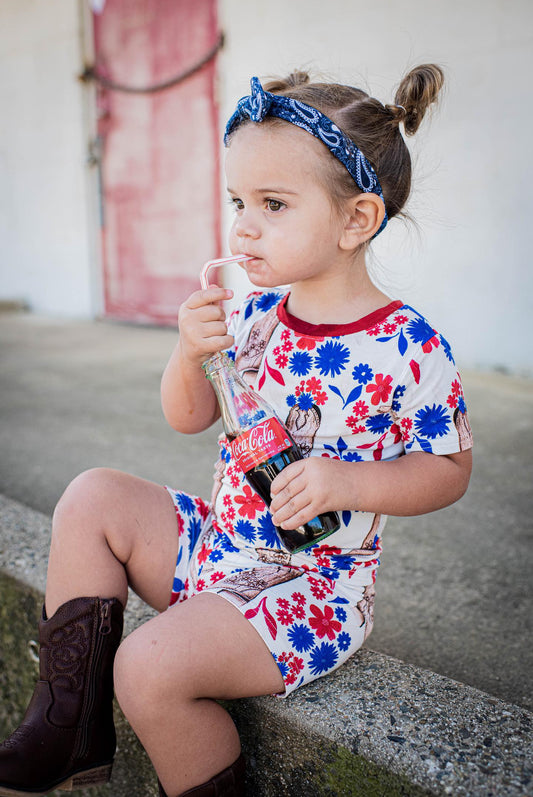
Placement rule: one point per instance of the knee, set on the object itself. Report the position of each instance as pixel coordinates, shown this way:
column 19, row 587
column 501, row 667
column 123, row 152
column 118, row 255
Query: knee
column 84, row 496
column 138, row 688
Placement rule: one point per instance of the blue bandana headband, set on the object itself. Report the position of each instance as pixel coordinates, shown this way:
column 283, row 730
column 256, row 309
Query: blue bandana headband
column 261, row 103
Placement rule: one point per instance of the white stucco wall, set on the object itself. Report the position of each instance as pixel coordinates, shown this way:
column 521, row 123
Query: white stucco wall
column 44, row 240
column 468, row 269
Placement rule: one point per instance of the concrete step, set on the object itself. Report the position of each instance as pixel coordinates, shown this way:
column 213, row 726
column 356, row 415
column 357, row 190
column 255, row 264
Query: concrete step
column 377, row 726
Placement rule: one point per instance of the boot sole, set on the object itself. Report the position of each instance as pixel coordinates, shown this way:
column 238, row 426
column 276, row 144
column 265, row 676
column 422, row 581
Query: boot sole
column 81, row 780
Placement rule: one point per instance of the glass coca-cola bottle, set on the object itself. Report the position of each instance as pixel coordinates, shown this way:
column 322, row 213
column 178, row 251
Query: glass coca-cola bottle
column 261, row 445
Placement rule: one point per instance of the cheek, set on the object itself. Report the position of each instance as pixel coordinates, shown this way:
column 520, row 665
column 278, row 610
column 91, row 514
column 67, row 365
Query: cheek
column 233, row 239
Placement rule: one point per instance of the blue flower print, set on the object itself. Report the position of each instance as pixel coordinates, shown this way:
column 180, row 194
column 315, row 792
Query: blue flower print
column 398, row 393
column 300, row 363
column 344, row 640
column 447, row 349
column 267, row 531
column 379, row 423
column 331, row 358
column 267, row 300
column 461, row 405
column 432, row 421
column 216, row 555
column 195, row 527
column 245, row 529
column 342, row 451
column 227, row 545
column 186, row 503
column 301, row 637
column 323, row 658
column 340, row 614
column 283, row 666
column 305, row 401
column 363, row 374
column 419, row 330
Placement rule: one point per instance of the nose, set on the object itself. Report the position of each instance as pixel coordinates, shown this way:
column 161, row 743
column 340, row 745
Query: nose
column 246, row 225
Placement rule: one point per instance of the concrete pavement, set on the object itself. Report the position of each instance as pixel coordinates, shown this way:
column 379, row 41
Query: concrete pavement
column 454, row 591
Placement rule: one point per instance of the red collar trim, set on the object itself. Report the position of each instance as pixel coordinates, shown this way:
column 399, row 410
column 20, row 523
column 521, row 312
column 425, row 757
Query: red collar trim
column 335, row 330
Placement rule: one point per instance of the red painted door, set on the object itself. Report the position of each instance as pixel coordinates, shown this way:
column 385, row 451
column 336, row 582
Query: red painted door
column 159, row 172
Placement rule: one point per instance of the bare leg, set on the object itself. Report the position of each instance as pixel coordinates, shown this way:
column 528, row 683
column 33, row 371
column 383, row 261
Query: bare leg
column 168, row 675
column 111, row 529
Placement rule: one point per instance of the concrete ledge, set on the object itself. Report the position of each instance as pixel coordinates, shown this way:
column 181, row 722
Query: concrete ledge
column 375, row 727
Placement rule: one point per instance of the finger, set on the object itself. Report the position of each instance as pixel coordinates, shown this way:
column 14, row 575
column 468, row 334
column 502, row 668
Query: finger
column 287, row 475
column 208, row 296
column 294, row 514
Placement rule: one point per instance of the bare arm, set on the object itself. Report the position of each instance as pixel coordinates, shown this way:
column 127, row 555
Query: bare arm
column 411, row 485
column 188, row 400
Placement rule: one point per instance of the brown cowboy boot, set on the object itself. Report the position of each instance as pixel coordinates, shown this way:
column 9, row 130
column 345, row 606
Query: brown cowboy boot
column 228, row 783
column 67, row 737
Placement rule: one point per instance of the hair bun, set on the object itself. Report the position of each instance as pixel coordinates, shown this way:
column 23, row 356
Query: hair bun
column 417, row 91
column 279, row 85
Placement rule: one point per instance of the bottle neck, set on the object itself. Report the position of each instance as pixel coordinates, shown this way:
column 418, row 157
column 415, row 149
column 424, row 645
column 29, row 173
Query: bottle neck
column 241, row 407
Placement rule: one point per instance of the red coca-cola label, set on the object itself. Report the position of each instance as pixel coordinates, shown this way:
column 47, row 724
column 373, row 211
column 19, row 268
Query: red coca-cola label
column 255, row 446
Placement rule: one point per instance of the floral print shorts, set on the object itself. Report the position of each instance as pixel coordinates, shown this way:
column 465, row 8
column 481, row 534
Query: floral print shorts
column 311, row 615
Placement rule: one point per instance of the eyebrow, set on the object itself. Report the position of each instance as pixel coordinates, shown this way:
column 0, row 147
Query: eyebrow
column 270, row 190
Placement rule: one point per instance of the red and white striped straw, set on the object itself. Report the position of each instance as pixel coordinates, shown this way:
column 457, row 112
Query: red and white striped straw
column 222, row 261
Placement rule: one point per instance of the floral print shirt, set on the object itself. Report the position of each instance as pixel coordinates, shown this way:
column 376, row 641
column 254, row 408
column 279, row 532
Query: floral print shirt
column 381, row 387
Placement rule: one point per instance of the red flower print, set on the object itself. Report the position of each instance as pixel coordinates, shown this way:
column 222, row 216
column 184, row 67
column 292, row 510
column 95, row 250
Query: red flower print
column 216, row 576
column 400, row 319
column 200, row 585
column 298, row 598
column 353, row 424
column 226, row 500
column 204, row 553
column 281, row 360
column 389, row 329
column 181, row 525
column 397, row 432
column 326, row 550
column 324, row 623
column 374, row 330
column 284, row 616
column 456, row 387
column 202, row 507
column 285, row 335
column 299, row 612
column 305, row 342
column 283, row 603
column 360, row 408
column 250, row 503
column 321, row 398
column 452, row 401
column 287, row 346
column 381, row 388
column 319, row 587
column 313, row 384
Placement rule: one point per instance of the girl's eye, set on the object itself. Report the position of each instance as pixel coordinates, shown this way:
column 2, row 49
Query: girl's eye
column 274, row 205
column 236, row 203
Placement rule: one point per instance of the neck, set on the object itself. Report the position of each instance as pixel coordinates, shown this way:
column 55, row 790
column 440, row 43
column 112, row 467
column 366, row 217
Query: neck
column 339, row 298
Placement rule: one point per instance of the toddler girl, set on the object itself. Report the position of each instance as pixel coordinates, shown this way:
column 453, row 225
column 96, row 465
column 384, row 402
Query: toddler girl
column 369, row 391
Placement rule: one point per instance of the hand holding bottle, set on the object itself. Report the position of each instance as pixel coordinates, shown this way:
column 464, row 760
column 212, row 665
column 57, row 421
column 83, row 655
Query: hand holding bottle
column 202, row 325
column 305, row 489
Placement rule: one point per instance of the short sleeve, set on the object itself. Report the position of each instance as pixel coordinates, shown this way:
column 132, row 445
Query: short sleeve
column 429, row 404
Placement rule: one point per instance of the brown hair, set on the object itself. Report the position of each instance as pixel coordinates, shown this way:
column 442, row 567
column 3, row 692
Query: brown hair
column 372, row 126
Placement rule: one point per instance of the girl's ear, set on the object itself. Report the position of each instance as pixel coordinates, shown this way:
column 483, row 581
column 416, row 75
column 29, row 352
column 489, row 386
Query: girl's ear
column 364, row 215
